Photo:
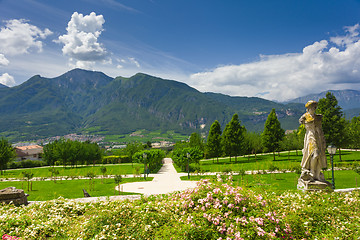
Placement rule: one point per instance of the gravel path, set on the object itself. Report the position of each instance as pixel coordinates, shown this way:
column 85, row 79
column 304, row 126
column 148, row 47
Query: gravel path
column 165, row 181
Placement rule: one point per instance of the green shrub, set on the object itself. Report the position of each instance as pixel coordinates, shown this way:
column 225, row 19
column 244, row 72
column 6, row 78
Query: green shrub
column 26, row 164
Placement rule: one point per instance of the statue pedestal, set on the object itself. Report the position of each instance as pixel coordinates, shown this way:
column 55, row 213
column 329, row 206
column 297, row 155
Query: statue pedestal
column 314, row 185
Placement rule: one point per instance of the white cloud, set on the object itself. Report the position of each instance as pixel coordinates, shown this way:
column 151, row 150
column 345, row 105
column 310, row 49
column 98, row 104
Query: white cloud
column 7, row 80
column 135, row 62
column 18, row 36
column 319, row 67
column 3, row 60
column 81, row 41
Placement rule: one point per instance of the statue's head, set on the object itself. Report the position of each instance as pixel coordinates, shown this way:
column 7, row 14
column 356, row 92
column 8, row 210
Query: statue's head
column 311, row 104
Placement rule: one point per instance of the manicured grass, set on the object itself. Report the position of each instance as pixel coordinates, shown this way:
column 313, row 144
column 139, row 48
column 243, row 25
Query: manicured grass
column 261, row 162
column 288, row 181
column 111, row 169
column 47, row 190
column 285, row 160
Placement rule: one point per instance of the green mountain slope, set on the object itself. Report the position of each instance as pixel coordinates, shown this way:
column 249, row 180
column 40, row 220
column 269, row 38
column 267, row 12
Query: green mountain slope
column 82, row 100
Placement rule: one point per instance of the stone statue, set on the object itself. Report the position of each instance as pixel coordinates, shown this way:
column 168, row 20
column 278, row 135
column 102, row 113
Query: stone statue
column 314, row 157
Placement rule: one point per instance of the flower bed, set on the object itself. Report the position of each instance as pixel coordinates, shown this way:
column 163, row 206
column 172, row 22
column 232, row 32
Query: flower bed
column 213, row 210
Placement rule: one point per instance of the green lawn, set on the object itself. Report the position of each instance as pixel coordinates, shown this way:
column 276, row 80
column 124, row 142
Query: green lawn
column 111, row 169
column 263, row 162
column 288, row 181
column 47, row 190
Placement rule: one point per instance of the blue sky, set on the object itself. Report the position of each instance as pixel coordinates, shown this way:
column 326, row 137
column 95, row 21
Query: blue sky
column 277, row 50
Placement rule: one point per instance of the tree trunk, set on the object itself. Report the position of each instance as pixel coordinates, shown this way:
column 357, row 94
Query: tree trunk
column 340, row 154
column 274, row 155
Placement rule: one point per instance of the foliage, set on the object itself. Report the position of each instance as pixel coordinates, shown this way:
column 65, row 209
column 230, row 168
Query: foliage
column 7, row 153
column 132, row 148
column 28, row 176
column 118, row 179
column 353, row 130
column 196, row 141
column 215, row 210
column 181, row 157
column 103, row 170
column 333, row 122
column 112, row 159
column 233, row 138
column 68, row 152
column 154, row 159
column 57, row 106
column 273, row 133
column 253, row 143
column 26, row 164
column 181, row 145
column 213, row 144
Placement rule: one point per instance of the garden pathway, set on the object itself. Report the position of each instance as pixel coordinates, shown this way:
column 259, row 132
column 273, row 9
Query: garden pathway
column 165, row 181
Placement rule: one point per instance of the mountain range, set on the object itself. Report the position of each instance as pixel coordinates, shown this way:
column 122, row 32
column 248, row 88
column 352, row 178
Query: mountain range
column 349, row 100
column 82, row 101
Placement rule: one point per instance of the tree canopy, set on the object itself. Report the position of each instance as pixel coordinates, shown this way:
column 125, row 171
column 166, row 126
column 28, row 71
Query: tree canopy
column 68, row 152
column 213, row 144
column 273, row 134
column 7, row 153
column 333, row 123
column 180, row 156
column 233, row 137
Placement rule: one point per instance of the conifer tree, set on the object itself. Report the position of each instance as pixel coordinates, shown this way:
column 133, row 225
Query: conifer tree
column 233, row 138
column 333, row 122
column 213, row 144
column 273, row 133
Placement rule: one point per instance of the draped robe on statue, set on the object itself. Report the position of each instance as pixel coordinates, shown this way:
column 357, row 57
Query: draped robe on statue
column 314, row 141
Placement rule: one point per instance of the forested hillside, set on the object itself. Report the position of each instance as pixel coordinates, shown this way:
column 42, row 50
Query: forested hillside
column 81, row 100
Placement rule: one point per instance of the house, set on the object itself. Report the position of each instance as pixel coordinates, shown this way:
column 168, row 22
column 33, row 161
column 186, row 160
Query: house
column 32, row 152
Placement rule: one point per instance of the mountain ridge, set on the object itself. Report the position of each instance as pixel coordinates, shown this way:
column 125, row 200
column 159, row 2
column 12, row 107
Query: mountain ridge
column 348, row 100
column 92, row 102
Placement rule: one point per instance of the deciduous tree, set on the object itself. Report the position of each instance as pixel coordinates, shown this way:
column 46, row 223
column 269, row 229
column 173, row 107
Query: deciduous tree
column 196, row 141
column 7, row 153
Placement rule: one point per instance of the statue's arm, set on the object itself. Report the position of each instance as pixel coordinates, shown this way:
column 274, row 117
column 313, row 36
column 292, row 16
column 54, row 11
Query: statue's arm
column 302, row 119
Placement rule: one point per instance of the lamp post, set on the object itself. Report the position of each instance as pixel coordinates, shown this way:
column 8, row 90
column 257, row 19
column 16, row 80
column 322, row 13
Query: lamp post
column 332, row 150
column 188, row 169
column 144, row 157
